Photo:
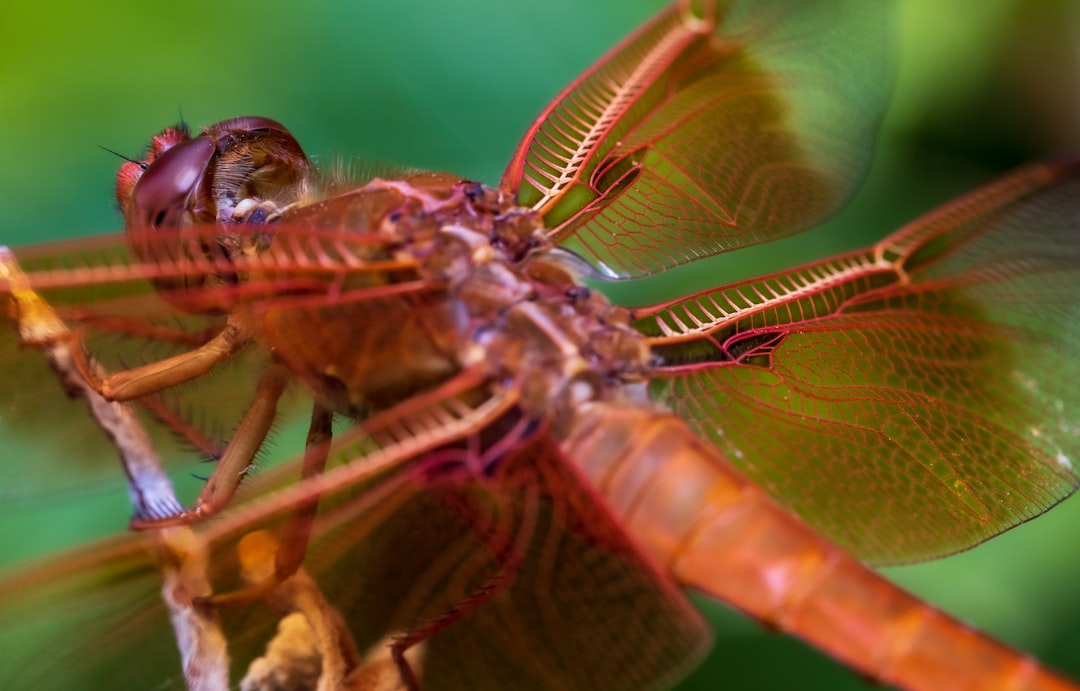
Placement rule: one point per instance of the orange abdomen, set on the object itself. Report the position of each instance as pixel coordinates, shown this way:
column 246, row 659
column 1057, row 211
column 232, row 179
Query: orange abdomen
column 713, row 530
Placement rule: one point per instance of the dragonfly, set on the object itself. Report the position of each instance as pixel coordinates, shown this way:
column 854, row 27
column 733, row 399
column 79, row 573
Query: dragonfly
column 886, row 363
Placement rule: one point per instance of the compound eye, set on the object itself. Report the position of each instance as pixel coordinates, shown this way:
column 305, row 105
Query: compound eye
column 162, row 197
column 130, row 172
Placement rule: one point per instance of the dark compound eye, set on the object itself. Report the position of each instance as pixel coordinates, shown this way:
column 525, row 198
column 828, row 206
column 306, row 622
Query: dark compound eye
column 132, row 171
column 161, row 196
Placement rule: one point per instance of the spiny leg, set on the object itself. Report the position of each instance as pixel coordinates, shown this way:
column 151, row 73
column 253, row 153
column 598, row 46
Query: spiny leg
column 239, row 453
column 163, row 374
column 290, row 551
column 298, row 531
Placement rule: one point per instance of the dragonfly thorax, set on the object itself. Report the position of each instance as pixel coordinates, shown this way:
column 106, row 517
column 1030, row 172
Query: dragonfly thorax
column 470, row 281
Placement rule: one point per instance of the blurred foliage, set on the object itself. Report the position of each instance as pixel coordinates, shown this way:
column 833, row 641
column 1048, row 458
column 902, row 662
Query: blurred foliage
column 980, row 87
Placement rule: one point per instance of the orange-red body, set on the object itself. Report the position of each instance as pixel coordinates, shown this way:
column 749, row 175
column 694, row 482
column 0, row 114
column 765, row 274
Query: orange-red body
column 532, row 474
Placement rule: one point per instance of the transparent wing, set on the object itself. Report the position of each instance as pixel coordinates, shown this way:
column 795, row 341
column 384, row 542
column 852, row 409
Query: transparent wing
column 131, row 310
column 910, row 400
column 713, row 127
column 400, row 541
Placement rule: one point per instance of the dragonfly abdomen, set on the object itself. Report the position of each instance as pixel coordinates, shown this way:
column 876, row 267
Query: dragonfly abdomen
column 713, row 530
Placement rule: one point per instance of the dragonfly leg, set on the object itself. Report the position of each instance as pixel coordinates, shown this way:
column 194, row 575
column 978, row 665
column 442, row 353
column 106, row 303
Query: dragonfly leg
column 294, row 543
column 160, row 375
column 141, row 328
column 290, row 550
column 239, row 453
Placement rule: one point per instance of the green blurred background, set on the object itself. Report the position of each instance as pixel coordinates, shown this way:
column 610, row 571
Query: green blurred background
column 980, row 87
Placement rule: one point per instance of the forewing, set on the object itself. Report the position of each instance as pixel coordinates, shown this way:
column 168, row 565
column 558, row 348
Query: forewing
column 716, row 126
column 132, row 310
column 97, row 290
column 910, row 400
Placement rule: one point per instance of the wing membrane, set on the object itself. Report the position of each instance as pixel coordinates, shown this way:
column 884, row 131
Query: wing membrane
column 715, row 126
column 910, row 400
column 392, row 550
column 130, row 310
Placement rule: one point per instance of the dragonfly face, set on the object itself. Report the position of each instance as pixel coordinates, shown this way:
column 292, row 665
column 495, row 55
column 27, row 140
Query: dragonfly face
column 495, row 301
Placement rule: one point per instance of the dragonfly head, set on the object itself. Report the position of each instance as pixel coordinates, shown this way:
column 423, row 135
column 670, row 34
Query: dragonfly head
column 208, row 190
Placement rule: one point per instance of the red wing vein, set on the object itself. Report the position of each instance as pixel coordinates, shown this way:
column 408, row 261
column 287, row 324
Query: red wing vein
column 831, row 426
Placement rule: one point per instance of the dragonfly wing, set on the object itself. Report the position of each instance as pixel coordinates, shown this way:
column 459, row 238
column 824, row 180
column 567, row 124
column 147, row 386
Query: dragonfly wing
column 713, row 127
column 130, row 310
column 910, row 400
column 407, row 533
